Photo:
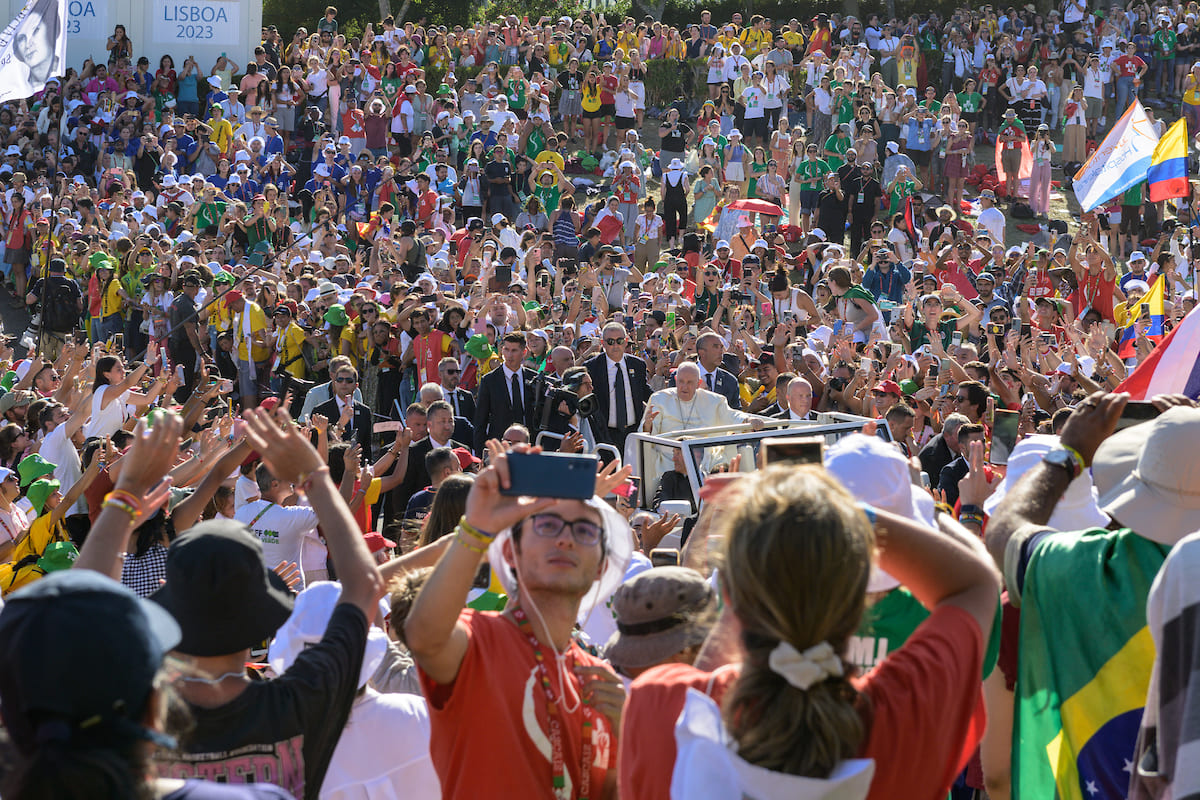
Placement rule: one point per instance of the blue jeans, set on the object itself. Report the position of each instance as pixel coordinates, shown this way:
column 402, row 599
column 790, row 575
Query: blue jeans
column 1125, row 95
column 1164, row 72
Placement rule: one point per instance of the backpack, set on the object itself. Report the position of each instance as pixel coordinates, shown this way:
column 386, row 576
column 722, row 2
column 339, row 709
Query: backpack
column 1021, row 211
column 62, row 305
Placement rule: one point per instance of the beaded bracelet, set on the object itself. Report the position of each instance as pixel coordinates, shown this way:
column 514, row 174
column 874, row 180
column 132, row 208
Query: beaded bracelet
column 971, row 519
column 121, row 505
column 129, row 499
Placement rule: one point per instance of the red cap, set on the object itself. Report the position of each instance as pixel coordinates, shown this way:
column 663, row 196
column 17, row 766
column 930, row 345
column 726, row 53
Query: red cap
column 466, row 458
column 269, row 404
column 888, row 387
column 231, row 297
column 376, row 541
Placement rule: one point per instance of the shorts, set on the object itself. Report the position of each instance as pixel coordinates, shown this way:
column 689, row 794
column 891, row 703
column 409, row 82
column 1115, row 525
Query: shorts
column 808, row 200
column 1095, row 108
column 624, row 123
column 735, row 172
column 1011, row 161
column 597, row 114
column 919, row 158
column 1131, row 220
column 607, row 109
column 17, row 255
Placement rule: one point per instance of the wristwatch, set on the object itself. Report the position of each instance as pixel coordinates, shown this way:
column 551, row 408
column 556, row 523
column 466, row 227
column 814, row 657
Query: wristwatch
column 1065, row 458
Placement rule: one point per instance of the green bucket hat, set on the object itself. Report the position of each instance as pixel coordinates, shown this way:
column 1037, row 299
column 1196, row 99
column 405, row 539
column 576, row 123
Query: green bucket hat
column 336, row 315
column 660, row 266
column 38, row 491
column 224, row 277
column 59, row 555
column 477, row 347
column 9, row 380
column 98, row 260
column 33, row 467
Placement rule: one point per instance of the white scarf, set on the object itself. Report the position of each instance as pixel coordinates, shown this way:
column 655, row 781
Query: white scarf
column 248, row 338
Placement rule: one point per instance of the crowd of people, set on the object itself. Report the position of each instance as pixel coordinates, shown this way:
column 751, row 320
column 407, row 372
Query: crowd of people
column 297, row 325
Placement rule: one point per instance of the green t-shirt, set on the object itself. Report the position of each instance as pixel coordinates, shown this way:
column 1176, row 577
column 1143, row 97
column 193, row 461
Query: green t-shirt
column 811, row 172
column 901, row 191
column 209, row 214
column 516, row 95
column 838, row 145
column 919, row 335
column 933, row 106
column 1164, row 44
column 549, row 196
column 1133, row 196
column 970, row 101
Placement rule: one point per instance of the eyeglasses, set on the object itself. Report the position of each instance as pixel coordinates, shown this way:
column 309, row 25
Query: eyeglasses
column 453, row 371
column 960, row 398
column 346, row 380
column 611, row 342
column 550, row 526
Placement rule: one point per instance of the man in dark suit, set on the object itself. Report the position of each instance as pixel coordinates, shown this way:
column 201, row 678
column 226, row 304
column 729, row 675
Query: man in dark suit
column 505, row 395
column 710, row 351
column 357, row 423
column 620, row 384
column 799, row 397
column 462, row 401
column 957, row 469
column 440, row 423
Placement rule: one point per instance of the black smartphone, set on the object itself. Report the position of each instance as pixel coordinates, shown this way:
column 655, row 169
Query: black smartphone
column 504, row 274
column 664, row 557
column 570, row 476
column 1026, row 330
column 1004, row 435
column 795, row 450
column 1135, row 413
column 1145, row 310
column 933, row 369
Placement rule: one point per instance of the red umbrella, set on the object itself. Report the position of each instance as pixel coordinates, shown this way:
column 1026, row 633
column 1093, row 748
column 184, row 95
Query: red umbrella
column 757, row 207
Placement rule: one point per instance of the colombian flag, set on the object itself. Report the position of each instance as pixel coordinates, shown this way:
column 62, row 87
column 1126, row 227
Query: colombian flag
column 1083, row 667
column 1167, row 176
column 1128, row 347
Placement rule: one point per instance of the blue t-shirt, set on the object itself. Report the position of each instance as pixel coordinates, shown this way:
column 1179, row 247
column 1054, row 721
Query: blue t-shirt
column 918, row 135
column 187, row 89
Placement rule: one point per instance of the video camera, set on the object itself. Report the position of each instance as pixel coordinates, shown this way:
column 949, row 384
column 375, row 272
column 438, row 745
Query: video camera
column 551, row 392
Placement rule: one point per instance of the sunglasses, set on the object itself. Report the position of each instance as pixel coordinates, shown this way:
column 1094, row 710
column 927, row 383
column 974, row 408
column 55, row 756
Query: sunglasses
column 611, row 342
column 453, row 371
column 346, row 380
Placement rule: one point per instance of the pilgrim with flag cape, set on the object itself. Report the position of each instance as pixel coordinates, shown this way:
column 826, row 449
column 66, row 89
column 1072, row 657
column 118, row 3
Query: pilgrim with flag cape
column 1026, row 163
column 1131, row 315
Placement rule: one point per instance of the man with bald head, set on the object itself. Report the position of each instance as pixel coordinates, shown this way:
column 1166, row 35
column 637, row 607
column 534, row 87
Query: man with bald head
column 799, row 401
column 710, row 351
column 687, row 406
column 562, row 359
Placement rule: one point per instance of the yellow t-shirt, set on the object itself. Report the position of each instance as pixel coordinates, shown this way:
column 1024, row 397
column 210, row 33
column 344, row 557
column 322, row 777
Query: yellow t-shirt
column 591, row 98
column 291, row 345
column 110, row 300
column 350, row 336
column 222, row 134
column 220, row 317
column 258, row 322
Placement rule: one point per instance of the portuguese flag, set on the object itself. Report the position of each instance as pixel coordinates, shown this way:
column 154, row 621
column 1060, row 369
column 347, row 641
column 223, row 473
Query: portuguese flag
column 1084, row 664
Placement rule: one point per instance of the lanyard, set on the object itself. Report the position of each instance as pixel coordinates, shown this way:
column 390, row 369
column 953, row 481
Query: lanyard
column 552, row 715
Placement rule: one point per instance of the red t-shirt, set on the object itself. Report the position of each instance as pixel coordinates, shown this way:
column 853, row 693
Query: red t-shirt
column 608, row 85
column 958, row 279
column 1127, row 66
column 489, row 729
column 1095, row 291
column 922, row 708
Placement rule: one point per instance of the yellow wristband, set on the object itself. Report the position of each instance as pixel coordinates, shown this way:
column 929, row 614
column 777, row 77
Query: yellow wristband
column 474, row 548
column 1075, row 455
column 471, row 530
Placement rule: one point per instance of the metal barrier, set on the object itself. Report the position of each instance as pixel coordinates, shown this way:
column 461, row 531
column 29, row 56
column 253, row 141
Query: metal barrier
column 558, row 437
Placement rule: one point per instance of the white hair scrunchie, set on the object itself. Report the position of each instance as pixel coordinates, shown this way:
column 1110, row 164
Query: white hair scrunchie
column 802, row 670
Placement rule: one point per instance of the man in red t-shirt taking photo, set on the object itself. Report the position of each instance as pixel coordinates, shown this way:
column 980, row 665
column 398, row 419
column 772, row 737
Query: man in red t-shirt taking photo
column 517, row 709
column 1128, row 69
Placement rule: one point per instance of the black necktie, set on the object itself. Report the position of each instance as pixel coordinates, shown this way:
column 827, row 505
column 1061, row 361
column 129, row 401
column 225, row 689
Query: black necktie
column 518, row 402
column 709, row 380
column 454, row 399
column 619, row 392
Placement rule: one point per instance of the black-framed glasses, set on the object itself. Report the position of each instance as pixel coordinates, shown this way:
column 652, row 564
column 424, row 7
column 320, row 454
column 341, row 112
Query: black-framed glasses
column 611, row 342
column 340, row 379
column 550, row 526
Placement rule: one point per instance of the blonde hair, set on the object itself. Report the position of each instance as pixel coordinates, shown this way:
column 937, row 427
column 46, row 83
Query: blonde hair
column 797, row 555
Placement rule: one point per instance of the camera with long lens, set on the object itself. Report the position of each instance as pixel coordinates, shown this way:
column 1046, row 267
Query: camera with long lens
column 552, row 393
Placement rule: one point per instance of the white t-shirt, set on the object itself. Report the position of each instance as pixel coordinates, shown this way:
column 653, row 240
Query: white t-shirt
column 992, row 220
column 1074, row 11
column 287, row 533
column 245, row 490
column 384, row 751
column 58, row 450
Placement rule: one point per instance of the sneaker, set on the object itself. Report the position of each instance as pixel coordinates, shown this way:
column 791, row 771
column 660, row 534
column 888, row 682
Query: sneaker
column 1103, row 121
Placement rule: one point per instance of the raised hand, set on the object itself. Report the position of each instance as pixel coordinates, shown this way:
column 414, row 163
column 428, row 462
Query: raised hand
column 286, row 453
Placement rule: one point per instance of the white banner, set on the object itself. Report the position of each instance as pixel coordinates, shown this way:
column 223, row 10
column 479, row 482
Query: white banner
column 1121, row 160
column 199, row 22
column 33, row 49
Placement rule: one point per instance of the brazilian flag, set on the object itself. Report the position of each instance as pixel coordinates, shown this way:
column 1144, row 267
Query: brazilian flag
column 1084, row 664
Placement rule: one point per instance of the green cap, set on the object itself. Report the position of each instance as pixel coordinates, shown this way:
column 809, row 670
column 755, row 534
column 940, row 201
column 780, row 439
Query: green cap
column 660, row 266
column 33, row 467
column 336, row 315
column 38, row 491
column 98, row 260
column 59, row 555
column 225, row 277
column 477, row 347
column 9, row 379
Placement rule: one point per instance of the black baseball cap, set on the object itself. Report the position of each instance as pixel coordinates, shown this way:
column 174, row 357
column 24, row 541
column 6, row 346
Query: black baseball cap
column 78, row 616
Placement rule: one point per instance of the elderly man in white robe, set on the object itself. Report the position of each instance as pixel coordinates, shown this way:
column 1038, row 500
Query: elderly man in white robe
column 686, row 407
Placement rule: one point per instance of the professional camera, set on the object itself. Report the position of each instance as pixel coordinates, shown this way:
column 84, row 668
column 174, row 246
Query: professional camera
column 551, row 393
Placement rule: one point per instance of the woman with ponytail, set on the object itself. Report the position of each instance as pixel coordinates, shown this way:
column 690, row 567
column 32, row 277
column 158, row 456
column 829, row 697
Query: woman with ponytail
column 774, row 707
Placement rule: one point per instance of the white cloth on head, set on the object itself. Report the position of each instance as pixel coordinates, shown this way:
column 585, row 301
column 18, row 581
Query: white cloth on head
column 1076, row 510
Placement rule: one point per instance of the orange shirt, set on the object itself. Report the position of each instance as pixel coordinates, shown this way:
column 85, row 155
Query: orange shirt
column 489, row 730
column 428, row 350
column 923, row 713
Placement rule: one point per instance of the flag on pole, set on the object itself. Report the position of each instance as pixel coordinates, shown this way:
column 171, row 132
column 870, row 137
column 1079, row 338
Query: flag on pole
column 1167, row 176
column 1154, row 330
column 1121, row 160
column 33, row 49
column 1173, row 367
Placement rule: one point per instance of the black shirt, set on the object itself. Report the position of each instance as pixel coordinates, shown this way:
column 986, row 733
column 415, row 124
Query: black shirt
column 183, row 309
column 831, row 215
column 498, row 169
column 280, row 731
